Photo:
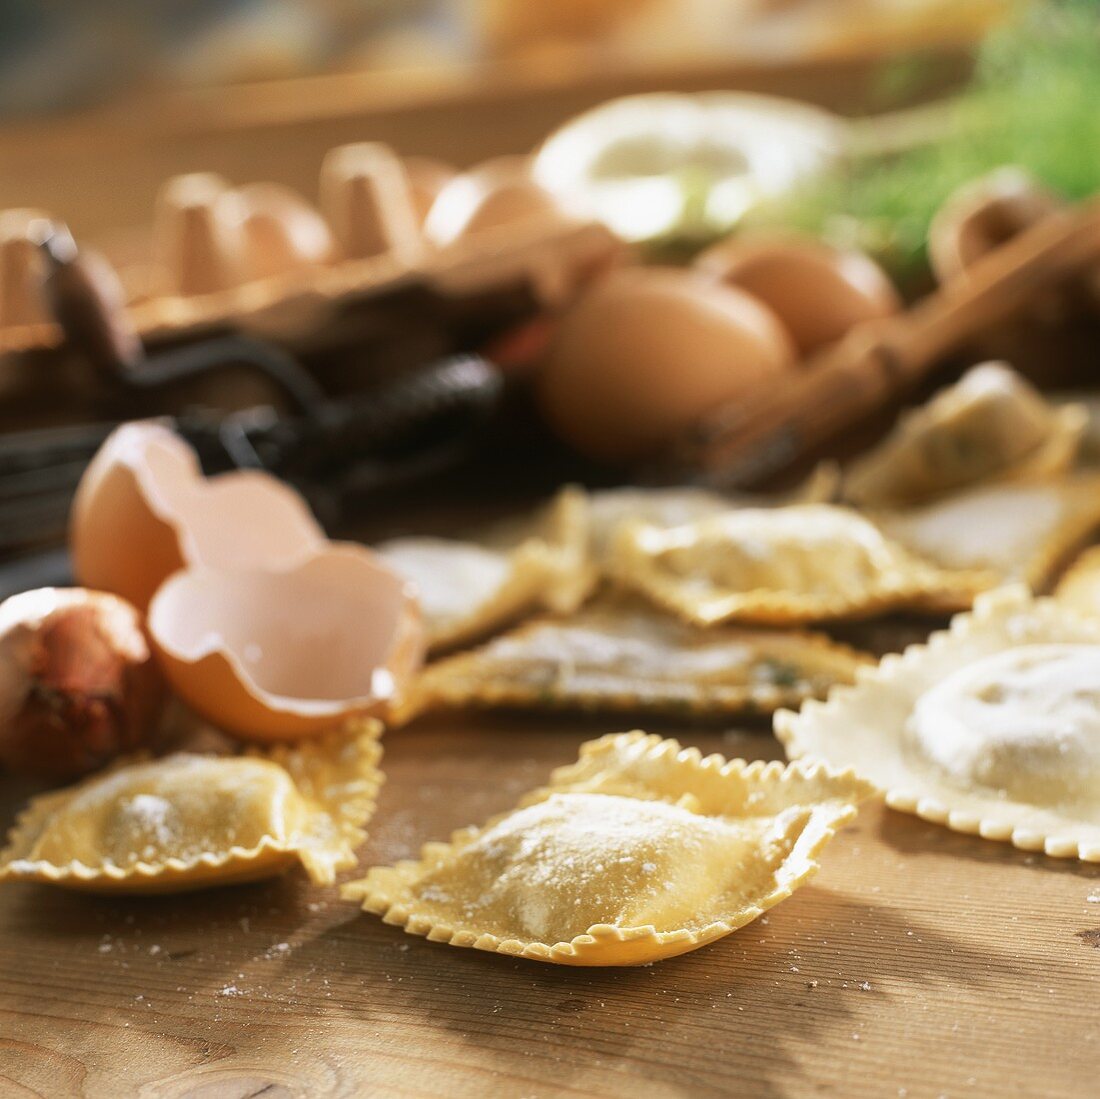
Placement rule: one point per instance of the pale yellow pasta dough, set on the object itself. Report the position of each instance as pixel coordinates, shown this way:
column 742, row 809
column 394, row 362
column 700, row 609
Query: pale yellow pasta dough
column 991, row 425
column 187, row 821
column 624, row 654
column 1026, row 721
column 542, row 873
column 178, row 807
column 1014, row 531
column 639, row 851
column 993, row 727
column 782, row 565
column 610, row 509
column 467, row 590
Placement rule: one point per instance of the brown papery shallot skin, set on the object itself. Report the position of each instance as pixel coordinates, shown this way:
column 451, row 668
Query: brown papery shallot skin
column 78, row 685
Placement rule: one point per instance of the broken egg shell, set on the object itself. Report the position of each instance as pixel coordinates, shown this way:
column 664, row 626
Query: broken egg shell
column 122, row 535
column 647, row 351
column 143, row 510
column 78, row 684
column 497, row 192
column 273, row 655
column 819, row 292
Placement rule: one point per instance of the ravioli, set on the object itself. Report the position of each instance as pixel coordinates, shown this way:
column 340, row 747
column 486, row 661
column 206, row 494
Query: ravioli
column 1018, row 532
column 992, row 728
column 780, row 566
column 1089, row 400
column 610, row 509
column 188, row 821
column 621, row 654
column 639, row 851
column 991, row 425
column 1080, row 587
column 468, row 590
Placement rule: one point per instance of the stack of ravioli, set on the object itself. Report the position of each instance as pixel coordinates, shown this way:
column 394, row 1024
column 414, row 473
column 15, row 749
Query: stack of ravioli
column 689, row 603
column 693, row 605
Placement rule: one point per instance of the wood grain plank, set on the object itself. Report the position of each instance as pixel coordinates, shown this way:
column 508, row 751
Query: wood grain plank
column 918, row 963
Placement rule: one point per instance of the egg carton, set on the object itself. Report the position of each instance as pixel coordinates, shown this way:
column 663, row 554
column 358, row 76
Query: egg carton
column 261, row 258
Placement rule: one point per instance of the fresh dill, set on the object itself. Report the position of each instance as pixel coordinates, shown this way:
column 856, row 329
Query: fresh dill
column 1033, row 102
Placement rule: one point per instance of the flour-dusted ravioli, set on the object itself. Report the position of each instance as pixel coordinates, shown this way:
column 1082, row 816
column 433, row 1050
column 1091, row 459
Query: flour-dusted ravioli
column 467, row 590
column 1018, row 532
column 639, row 851
column 992, row 728
column 990, row 425
column 189, row 821
column 777, row 566
column 1080, row 587
column 622, row 654
column 610, row 509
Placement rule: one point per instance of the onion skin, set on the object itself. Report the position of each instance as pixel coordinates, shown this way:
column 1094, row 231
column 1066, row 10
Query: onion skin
column 78, row 685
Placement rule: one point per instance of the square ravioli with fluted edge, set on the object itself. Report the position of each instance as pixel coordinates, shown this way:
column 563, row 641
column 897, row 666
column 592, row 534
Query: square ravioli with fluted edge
column 781, row 566
column 991, row 728
column 190, row 821
column 467, row 590
column 990, row 426
column 639, row 851
column 1014, row 532
column 621, row 654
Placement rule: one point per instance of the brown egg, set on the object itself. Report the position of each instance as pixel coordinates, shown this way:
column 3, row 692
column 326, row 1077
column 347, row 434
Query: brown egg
column 817, row 291
column 497, row 192
column 270, row 655
column 647, row 351
column 143, row 510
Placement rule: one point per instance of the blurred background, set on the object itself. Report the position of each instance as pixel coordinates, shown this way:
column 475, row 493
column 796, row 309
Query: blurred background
column 362, row 243
column 100, row 101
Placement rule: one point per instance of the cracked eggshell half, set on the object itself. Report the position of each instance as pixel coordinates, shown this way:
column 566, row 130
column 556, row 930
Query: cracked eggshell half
column 273, row 655
column 144, row 510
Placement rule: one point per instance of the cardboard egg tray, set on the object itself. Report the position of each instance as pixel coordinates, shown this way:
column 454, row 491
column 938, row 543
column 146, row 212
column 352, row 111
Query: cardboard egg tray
column 259, row 258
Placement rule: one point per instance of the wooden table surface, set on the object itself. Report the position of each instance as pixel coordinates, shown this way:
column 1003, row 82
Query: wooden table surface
column 918, row 963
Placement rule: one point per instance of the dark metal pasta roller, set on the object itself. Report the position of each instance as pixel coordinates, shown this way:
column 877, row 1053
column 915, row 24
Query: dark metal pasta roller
column 337, row 451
